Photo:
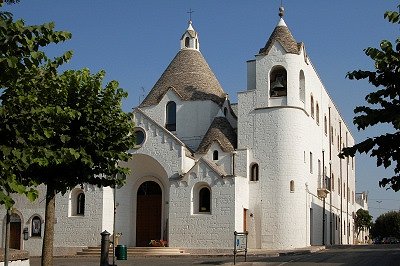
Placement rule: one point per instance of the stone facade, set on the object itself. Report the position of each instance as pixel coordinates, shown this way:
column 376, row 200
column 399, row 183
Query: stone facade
column 201, row 171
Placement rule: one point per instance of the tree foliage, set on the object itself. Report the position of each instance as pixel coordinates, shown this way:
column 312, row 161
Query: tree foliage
column 383, row 106
column 362, row 221
column 20, row 58
column 387, row 225
column 70, row 130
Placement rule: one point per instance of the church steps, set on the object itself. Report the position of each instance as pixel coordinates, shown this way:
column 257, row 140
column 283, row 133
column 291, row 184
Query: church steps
column 137, row 251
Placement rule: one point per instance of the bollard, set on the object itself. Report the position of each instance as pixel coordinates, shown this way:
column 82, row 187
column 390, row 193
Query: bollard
column 105, row 245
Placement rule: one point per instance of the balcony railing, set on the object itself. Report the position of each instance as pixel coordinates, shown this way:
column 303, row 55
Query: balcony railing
column 324, row 186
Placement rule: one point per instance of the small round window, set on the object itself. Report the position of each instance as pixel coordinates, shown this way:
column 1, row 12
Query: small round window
column 139, row 137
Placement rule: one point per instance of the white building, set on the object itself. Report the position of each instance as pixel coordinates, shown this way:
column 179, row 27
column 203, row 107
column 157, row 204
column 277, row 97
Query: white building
column 204, row 168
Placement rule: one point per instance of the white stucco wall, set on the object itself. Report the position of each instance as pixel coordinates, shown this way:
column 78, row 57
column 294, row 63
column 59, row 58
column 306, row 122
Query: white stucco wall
column 80, row 231
column 193, row 118
column 17, row 263
column 281, row 138
column 202, row 230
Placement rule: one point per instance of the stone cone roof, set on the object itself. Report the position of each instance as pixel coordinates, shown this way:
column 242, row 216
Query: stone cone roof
column 222, row 132
column 190, row 77
column 282, row 35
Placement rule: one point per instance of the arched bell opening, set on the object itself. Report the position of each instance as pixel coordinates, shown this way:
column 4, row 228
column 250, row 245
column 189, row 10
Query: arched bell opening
column 278, row 82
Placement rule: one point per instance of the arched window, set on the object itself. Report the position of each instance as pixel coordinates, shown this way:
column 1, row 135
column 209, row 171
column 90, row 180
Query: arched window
column 187, row 42
column 76, row 202
column 317, row 113
column 215, row 155
column 291, row 185
column 278, row 82
column 80, row 206
column 302, row 89
column 254, row 172
column 171, row 116
column 312, row 106
column 225, row 111
column 325, row 125
column 36, row 226
column 204, row 199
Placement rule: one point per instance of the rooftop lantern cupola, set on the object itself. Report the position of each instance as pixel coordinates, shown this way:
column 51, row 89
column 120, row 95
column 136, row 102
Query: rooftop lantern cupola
column 190, row 39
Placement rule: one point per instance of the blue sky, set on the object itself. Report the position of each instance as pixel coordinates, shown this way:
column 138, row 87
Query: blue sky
column 134, row 41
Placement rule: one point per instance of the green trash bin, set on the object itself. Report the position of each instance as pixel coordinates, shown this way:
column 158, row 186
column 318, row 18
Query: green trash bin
column 121, row 252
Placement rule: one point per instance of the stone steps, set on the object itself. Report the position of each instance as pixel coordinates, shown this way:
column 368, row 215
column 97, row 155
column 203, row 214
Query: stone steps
column 136, row 251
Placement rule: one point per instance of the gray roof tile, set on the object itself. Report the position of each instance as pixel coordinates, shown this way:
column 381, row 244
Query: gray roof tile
column 222, row 132
column 282, row 35
column 191, row 78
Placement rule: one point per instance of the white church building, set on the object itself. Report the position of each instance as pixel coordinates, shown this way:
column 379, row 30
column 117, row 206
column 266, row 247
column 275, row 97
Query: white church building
column 204, row 168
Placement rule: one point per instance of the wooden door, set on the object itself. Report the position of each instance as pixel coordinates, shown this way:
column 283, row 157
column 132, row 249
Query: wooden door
column 148, row 213
column 15, row 235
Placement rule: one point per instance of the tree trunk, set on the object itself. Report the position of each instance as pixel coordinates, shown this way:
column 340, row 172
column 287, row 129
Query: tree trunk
column 7, row 238
column 48, row 239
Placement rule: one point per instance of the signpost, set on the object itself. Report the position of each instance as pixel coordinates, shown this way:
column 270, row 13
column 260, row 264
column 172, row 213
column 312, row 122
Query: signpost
column 240, row 244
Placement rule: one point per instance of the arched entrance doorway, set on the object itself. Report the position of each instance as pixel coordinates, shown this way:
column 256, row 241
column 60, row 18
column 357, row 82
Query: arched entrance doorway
column 15, row 231
column 148, row 213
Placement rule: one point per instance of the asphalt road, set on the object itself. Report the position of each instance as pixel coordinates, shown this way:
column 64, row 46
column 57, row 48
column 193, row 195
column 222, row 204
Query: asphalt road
column 382, row 255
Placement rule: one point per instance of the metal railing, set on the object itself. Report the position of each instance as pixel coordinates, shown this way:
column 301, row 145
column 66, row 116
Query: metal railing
column 324, row 182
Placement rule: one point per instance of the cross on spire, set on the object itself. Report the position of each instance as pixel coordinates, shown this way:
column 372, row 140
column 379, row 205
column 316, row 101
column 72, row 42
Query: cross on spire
column 190, row 14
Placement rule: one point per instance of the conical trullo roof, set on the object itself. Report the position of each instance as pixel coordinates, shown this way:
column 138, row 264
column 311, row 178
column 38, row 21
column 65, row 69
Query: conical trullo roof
column 282, row 35
column 190, row 77
column 222, row 132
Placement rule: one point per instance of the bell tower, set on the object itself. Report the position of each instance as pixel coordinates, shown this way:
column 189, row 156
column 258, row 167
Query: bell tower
column 190, row 38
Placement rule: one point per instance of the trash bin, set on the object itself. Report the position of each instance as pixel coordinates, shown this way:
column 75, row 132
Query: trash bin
column 121, row 252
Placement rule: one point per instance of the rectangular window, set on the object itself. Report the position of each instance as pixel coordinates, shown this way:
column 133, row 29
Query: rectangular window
column 336, row 222
column 311, row 163
column 348, row 194
column 344, row 231
column 319, row 168
column 338, row 143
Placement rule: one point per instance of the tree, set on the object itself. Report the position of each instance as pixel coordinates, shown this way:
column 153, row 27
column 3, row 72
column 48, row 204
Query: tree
column 362, row 221
column 72, row 131
column 384, row 106
column 58, row 130
column 20, row 54
column 386, row 225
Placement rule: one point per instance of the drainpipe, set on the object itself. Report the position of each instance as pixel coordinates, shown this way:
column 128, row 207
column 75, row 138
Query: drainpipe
column 323, row 184
column 330, row 176
column 341, row 180
column 233, row 162
column 348, row 194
